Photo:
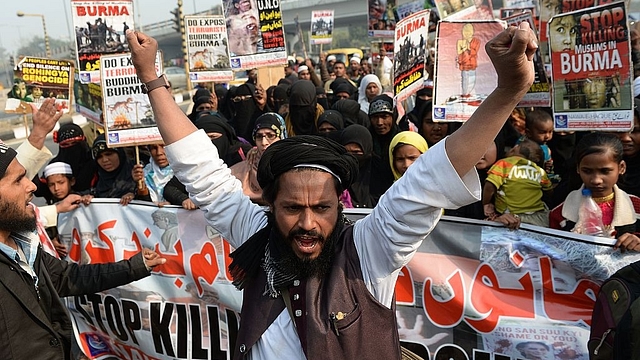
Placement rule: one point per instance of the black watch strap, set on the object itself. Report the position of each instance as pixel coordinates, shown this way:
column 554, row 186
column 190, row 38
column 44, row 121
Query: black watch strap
column 161, row 81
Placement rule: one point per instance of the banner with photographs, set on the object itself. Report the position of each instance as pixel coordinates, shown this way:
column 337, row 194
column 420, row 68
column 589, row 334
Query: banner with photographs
column 591, row 69
column 36, row 79
column 382, row 20
column 100, row 27
column 207, row 46
column 464, row 73
column 256, row 33
column 88, row 99
column 465, row 9
column 410, row 53
column 128, row 117
column 474, row 289
column 321, row 27
column 539, row 94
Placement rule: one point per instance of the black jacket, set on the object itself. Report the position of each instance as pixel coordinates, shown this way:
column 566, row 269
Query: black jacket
column 34, row 323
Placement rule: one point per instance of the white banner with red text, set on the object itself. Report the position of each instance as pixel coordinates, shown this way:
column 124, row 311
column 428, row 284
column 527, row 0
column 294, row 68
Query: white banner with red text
column 473, row 290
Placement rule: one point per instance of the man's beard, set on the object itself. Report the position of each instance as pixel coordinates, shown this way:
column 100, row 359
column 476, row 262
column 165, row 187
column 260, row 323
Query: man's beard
column 15, row 220
column 290, row 263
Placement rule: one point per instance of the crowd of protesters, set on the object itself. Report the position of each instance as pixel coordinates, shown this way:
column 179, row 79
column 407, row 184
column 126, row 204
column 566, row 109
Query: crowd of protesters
column 352, row 104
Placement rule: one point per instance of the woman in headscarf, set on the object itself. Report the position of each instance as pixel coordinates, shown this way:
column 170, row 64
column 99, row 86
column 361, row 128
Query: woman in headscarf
column 156, row 174
column 351, row 112
column 74, row 150
column 230, row 148
column 357, row 140
column 370, row 87
column 304, row 109
column 202, row 102
column 247, row 106
column 269, row 129
column 114, row 172
column 330, row 121
column 404, row 150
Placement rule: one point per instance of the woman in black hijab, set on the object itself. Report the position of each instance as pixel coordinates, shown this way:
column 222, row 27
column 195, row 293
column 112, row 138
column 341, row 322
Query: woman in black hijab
column 74, row 150
column 114, row 171
column 303, row 109
column 351, row 112
column 357, row 140
column 330, row 121
column 246, row 110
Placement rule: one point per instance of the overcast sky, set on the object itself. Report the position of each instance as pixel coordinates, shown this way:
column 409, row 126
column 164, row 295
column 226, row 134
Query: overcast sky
column 16, row 30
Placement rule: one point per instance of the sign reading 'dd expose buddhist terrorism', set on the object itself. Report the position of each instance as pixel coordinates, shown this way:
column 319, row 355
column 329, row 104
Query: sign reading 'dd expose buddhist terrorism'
column 100, row 28
column 255, row 32
column 472, row 291
column 128, row 117
column 36, row 79
column 591, row 69
column 321, row 27
column 464, row 73
column 539, row 94
column 208, row 49
column 410, row 53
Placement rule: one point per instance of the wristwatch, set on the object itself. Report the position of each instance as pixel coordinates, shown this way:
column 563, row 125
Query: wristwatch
column 153, row 84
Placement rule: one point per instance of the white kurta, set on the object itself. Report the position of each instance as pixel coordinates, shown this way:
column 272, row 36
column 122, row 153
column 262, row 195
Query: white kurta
column 386, row 239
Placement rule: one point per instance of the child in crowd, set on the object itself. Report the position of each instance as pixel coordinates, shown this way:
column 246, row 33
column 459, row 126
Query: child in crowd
column 600, row 164
column 60, row 180
column 404, row 150
column 114, row 172
column 539, row 128
column 515, row 185
column 156, row 174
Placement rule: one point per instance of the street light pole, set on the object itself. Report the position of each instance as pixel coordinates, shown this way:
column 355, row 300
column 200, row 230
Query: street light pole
column 47, row 47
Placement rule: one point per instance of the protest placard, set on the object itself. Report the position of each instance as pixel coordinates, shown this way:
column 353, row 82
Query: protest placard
column 207, row 46
column 321, row 27
column 591, row 69
column 410, row 54
column 256, row 33
column 464, row 74
column 539, row 94
column 128, row 117
column 100, row 27
column 36, row 79
column 381, row 19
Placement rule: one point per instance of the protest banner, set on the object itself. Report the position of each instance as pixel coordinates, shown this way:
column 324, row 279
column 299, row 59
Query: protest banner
column 539, row 94
column 464, row 74
column 550, row 8
column 473, row 290
column 88, row 99
column 591, row 69
column 207, row 46
column 404, row 10
column 256, row 33
column 321, row 27
column 381, row 19
column 410, row 54
column 465, row 10
column 100, row 27
column 36, row 79
column 128, row 117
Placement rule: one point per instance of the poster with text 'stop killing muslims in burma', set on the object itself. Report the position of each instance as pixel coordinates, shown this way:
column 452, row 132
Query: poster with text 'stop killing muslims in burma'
column 464, row 73
column 207, row 46
column 128, row 117
column 100, row 28
column 410, row 54
column 256, row 33
column 37, row 79
column 591, row 69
